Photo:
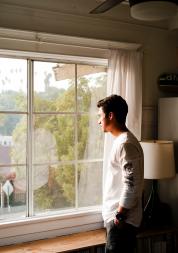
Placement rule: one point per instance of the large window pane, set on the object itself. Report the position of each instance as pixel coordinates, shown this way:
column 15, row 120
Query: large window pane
column 13, row 84
column 54, row 189
column 90, row 137
column 90, row 184
column 13, row 137
column 91, row 86
column 54, row 87
column 13, row 192
column 54, row 138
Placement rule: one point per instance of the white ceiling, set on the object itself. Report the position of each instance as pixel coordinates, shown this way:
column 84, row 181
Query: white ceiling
column 120, row 12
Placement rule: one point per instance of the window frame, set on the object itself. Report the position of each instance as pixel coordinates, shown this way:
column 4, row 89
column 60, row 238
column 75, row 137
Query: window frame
column 58, row 223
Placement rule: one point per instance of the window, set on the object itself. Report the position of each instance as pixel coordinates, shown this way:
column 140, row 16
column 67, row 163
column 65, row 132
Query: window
column 51, row 147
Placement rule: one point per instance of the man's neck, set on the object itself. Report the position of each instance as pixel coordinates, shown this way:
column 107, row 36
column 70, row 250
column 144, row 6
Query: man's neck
column 119, row 130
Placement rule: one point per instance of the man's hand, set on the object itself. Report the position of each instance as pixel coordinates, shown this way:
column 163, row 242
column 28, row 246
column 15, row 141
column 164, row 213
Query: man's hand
column 120, row 215
column 116, row 222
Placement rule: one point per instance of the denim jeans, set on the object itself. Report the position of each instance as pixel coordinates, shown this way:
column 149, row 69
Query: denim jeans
column 120, row 238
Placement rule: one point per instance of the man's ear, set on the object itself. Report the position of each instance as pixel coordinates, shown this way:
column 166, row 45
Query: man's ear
column 111, row 115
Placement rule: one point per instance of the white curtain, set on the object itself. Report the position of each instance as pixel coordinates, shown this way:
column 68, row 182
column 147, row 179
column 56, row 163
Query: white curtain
column 125, row 79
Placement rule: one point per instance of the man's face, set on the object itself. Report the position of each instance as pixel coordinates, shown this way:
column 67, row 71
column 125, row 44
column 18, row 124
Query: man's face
column 103, row 121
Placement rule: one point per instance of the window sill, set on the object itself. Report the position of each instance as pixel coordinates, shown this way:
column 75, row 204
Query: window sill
column 68, row 243
column 47, row 227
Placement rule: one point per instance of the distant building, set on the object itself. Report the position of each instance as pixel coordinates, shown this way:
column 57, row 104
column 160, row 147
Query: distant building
column 4, row 159
column 5, row 147
column 6, row 141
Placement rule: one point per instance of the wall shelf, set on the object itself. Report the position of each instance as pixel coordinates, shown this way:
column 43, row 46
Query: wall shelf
column 169, row 88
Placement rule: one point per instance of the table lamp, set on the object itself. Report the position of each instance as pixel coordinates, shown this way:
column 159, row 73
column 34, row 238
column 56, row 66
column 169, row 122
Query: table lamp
column 158, row 164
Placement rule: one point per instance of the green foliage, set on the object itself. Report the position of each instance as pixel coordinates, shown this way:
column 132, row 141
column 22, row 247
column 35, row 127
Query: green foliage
column 8, row 100
column 83, row 94
column 65, row 177
column 50, row 195
column 51, row 93
column 7, row 123
column 42, row 104
column 21, row 101
column 83, row 122
column 66, row 102
column 42, row 198
column 12, row 101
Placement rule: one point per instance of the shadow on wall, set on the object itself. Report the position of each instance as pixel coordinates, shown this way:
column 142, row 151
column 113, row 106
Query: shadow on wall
column 168, row 192
column 168, row 189
column 176, row 154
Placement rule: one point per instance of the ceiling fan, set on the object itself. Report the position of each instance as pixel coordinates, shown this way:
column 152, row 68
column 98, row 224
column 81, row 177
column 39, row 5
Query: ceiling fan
column 147, row 10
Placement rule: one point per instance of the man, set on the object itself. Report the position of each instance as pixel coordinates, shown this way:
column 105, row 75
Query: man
column 122, row 197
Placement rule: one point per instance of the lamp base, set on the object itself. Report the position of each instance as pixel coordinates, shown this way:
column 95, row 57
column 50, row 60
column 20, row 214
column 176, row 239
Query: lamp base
column 155, row 212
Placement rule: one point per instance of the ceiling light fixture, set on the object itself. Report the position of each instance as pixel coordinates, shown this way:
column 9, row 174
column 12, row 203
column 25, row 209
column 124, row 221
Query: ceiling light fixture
column 153, row 10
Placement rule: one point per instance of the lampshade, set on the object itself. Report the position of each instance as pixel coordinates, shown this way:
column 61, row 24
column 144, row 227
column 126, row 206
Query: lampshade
column 158, row 159
column 152, row 10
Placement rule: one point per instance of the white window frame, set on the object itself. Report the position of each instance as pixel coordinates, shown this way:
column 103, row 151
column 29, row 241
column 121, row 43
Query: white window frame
column 50, row 47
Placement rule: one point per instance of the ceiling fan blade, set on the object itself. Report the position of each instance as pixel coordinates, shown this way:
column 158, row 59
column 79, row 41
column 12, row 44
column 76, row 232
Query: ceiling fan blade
column 105, row 6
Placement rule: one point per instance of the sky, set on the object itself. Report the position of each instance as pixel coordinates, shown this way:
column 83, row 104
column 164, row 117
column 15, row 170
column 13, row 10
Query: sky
column 13, row 75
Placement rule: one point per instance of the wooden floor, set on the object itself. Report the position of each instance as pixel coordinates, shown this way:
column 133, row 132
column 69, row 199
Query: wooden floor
column 59, row 244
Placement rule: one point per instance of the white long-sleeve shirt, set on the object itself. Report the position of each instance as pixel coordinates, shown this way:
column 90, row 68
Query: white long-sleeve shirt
column 124, row 179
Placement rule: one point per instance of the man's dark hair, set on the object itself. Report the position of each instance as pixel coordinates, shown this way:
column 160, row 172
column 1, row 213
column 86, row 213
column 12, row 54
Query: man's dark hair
column 115, row 104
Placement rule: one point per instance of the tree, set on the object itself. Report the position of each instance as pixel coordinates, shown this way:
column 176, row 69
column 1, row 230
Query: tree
column 9, row 101
column 58, row 191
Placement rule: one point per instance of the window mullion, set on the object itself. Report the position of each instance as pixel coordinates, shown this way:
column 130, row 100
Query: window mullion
column 76, row 141
column 30, row 141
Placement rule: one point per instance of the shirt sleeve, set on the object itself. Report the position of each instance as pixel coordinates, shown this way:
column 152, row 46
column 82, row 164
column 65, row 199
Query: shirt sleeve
column 132, row 177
